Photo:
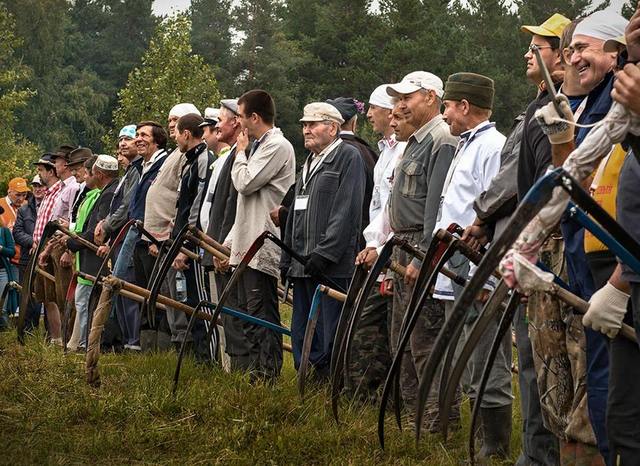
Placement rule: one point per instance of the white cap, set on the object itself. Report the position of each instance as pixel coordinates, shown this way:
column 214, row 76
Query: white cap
column 36, row 180
column 380, row 98
column 106, row 162
column 211, row 113
column 603, row 25
column 321, row 111
column 415, row 81
column 181, row 110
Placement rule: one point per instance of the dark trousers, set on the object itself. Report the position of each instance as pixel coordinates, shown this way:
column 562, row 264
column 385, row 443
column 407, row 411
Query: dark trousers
column 539, row 446
column 582, row 282
column 236, row 345
column 143, row 263
column 196, row 291
column 623, row 409
column 322, row 343
column 257, row 296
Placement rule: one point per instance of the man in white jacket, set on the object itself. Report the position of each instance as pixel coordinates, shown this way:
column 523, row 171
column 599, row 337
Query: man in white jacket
column 262, row 173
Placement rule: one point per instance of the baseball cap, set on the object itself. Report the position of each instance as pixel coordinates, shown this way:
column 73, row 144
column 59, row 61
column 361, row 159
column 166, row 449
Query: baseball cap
column 128, row 131
column 181, row 110
column 231, row 104
column 552, row 27
column 603, row 25
column 210, row 117
column 380, row 98
column 18, row 185
column 106, row 162
column 414, row 82
column 36, row 180
column 321, row 111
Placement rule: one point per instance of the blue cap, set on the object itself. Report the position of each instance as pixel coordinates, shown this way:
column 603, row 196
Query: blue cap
column 128, row 131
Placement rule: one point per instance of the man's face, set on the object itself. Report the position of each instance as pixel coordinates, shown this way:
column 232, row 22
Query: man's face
column 591, row 62
column 38, row 191
column 17, row 198
column 247, row 122
column 90, row 179
column 127, row 147
column 61, row 166
column 414, row 107
column 379, row 118
column 144, row 141
column 318, row 135
column 171, row 123
column 401, row 127
column 455, row 113
column 77, row 171
column 227, row 126
column 46, row 175
column 211, row 136
column 550, row 57
column 182, row 139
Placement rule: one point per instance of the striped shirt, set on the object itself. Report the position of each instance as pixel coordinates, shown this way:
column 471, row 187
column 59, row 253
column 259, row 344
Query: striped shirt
column 45, row 211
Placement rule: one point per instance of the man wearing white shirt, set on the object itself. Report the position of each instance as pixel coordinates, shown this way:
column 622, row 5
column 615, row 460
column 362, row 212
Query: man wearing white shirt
column 371, row 355
column 468, row 100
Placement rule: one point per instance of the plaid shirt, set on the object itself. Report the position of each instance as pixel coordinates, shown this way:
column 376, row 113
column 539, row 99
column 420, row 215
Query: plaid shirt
column 45, row 211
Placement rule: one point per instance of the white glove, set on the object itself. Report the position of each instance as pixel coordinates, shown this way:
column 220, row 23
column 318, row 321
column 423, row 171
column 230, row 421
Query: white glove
column 607, row 308
column 557, row 131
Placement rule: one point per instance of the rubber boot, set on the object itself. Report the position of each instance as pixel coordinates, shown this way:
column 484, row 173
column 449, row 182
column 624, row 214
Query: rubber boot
column 496, row 432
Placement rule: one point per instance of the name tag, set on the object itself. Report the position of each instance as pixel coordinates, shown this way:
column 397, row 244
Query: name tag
column 301, row 203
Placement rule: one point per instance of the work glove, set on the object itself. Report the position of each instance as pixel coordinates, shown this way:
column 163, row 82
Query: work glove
column 607, row 308
column 316, row 265
column 558, row 132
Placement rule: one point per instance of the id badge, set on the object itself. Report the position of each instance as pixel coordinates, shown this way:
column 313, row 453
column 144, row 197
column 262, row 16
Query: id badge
column 301, row 203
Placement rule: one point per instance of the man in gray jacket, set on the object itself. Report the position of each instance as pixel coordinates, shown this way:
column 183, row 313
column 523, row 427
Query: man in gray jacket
column 323, row 226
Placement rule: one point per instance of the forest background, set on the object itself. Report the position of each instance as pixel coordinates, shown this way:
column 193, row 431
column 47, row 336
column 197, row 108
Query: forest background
column 76, row 71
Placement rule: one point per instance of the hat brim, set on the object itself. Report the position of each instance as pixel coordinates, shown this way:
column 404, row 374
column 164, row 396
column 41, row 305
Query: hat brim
column 206, row 123
column 46, row 164
column 402, row 88
column 538, row 31
column 23, row 189
column 75, row 162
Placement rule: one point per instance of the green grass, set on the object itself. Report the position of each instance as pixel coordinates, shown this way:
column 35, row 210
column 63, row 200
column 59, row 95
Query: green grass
column 50, row 416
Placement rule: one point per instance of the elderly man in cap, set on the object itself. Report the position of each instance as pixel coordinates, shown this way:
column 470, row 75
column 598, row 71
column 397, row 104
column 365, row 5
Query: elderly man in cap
column 23, row 236
column 323, row 226
column 588, row 272
column 221, row 201
column 45, row 290
column 102, row 180
column 17, row 192
column 371, row 348
column 411, row 214
column 468, row 100
column 348, row 109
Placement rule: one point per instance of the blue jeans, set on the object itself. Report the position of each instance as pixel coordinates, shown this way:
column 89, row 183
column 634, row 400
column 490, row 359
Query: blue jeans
column 83, row 292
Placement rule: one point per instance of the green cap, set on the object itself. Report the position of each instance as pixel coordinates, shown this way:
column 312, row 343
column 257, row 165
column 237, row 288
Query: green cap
column 478, row 90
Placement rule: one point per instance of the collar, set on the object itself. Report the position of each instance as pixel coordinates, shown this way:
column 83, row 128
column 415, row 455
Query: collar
column 389, row 142
column 351, row 133
column 329, row 149
column 156, row 155
column 195, row 151
column 470, row 134
column 425, row 129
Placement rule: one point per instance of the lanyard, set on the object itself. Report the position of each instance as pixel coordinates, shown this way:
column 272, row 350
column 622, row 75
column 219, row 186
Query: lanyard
column 459, row 150
column 308, row 172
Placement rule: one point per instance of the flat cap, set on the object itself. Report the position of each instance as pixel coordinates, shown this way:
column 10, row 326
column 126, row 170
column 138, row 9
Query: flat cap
column 321, row 111
column 231, row 104
column 345, row 105
column 46, row 160
column 128, row 131
column 475, row 88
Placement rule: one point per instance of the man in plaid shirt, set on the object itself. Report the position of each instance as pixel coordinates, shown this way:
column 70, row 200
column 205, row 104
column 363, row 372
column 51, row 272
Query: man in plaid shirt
column 45, row 290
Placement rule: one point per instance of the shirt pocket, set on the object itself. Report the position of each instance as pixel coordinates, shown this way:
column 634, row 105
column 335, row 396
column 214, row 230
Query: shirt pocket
column 409, row 182
column 328, row 182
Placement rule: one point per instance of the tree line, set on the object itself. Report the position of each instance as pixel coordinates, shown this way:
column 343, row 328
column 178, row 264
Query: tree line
column 75, row 71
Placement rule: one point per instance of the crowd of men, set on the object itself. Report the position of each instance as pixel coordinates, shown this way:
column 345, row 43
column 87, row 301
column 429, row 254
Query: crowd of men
column 439, row 160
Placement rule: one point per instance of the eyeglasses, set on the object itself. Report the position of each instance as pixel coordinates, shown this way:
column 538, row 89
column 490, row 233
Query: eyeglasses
column 532, row 47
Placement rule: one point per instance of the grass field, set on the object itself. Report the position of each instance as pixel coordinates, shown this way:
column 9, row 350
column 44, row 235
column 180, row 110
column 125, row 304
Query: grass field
column 50, row 416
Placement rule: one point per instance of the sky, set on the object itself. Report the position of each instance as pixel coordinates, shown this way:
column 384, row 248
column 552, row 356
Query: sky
column 165, row 7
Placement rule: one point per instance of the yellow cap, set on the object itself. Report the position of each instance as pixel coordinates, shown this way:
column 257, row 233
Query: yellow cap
column 614, row 45
column 552, row 27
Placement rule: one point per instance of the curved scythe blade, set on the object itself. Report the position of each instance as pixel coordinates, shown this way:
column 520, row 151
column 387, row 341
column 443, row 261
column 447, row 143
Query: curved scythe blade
column 25, row 298
column 96, row 290
column 503, row 328
column 309, row 332
column 161, row 273
column 335, row 381
column 537, row 197
column 487, row 316
column 418, row 297
column 360, row 300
